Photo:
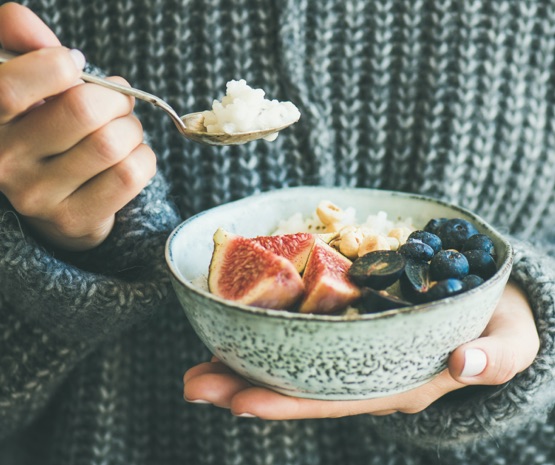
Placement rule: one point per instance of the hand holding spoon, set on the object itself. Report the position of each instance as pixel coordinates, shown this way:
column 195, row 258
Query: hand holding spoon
column 190, row 125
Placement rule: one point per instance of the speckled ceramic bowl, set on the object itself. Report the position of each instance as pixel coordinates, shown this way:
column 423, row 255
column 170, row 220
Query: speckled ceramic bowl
column 326, row 356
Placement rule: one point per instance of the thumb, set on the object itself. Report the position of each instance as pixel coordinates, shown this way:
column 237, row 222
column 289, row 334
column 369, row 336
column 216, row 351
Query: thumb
column 21, row 30
column 508, row 345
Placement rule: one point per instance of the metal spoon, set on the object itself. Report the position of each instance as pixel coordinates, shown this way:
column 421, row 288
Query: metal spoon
column 190, row 125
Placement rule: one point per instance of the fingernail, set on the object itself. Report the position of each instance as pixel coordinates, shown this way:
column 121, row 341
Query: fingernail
column 475, row 361
column 78, row 58
column 197, row 401
column 246, row 415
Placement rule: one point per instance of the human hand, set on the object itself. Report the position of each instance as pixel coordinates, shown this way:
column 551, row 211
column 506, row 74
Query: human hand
column 71, row 154
column 508, row 346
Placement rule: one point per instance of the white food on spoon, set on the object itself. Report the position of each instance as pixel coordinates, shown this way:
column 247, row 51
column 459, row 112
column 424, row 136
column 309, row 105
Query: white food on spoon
column 244, row 109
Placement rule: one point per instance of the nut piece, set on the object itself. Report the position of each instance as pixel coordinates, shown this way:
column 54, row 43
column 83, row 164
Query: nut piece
column 393, row 243
column 329, row 213
column 349, row 243
column 372, row 243
column 401, row 234
column 333, row 227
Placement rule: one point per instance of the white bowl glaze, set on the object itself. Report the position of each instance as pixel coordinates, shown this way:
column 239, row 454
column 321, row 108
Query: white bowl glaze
column 326, row 356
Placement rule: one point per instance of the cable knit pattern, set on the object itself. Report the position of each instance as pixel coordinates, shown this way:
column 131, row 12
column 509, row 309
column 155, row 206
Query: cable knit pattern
column 453, row 99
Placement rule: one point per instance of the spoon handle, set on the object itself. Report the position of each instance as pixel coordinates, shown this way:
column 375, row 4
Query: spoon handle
column 140, row 94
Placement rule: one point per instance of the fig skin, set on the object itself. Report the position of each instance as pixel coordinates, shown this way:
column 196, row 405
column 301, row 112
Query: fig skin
column 243, row 271
column 327, row 286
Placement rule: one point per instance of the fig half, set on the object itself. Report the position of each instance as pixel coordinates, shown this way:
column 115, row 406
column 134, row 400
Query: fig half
column 294, row 247
column 327, row 286
column 244, row 271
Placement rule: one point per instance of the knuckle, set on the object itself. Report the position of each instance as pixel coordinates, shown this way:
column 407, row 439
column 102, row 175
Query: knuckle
column 82, row 107
column 126, row 102
column 29, row 201
column 10, row 103
column 67, row 225
column 135, row 170
column 59, row 65
column 8, row 166
column 105, row 144
column 109, row 145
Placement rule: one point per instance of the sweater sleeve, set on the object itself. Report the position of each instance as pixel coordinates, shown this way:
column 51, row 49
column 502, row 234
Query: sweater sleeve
column 56, row 307
column 482, row 412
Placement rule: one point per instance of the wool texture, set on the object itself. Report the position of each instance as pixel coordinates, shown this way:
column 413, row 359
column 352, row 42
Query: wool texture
column 454, row 99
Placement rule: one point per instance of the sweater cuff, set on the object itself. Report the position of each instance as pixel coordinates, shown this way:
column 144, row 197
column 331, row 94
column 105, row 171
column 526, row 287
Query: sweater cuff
column 87, row 295
column 476, row 413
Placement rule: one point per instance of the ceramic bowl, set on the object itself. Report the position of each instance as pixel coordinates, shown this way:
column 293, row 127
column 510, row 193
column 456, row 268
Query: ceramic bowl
column 328, row 356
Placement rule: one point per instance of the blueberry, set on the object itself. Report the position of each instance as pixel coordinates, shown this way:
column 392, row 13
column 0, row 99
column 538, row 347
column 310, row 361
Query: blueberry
column 444, row 288
column 434, row 224
column 427, row 237
column 448, row 264
column 480, row 263
column 479, row 242
column 471, row 281
column 455, row 232
column 372, row 301
column 416, row 250
column 378, row 269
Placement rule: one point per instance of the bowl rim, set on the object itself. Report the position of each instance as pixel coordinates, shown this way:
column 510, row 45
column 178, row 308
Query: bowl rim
column 502, row 272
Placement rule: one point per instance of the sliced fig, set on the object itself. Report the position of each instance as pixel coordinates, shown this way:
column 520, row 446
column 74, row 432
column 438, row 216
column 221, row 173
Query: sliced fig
column 378, row 269
column 295, row 247
column 243, row 271
column 328, row 237
column 373, row 301
column 327, row 286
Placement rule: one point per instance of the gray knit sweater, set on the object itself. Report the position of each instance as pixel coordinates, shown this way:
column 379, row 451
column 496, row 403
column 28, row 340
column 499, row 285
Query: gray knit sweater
column 450, row 98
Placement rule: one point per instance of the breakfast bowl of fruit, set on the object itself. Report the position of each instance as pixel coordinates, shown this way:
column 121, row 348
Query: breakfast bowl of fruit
column 337, row 293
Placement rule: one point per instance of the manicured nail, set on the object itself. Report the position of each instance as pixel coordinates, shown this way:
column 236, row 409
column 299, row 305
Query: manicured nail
column 78, row 58
column 246, row 415
column 197, row 401
column 475, row 361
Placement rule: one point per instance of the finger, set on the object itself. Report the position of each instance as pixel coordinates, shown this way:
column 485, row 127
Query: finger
column 85, row 218
column 215, row 388
column 203, row 368
column 21, row 30
column 52, row 233
column 64, row 174
column 270, row 405
column 110, row 191
column 508, row 346
column 264, row 403
column 62, row 122
column 29, row 79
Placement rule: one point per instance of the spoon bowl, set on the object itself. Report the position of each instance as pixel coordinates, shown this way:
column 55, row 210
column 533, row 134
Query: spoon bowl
column 190, row 125
column 195, row 130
